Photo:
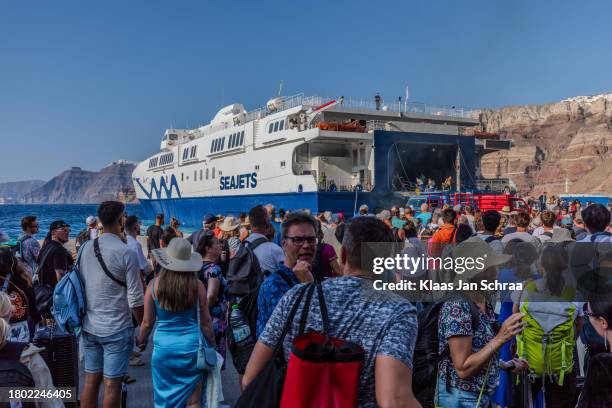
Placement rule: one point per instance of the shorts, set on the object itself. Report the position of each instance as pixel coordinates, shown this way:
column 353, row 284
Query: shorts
column 109, row 354
column 456, row 398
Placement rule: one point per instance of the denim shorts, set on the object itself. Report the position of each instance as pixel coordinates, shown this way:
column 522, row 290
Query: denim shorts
column 456, row 398
column 109, row 354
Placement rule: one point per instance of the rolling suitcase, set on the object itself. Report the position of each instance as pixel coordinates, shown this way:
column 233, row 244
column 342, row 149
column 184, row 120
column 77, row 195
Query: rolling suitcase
column 61, row 353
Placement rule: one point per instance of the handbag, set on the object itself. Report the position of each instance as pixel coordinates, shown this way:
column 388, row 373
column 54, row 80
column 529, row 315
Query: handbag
column 323, row 371
column 267, row 387
column 207, row 356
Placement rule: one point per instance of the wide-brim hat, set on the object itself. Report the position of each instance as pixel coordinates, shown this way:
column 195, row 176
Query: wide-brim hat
column 561, row 235
column 247, row 222
column 229, row 224
column 474, row 248
column 178, row 256
column 505, row 210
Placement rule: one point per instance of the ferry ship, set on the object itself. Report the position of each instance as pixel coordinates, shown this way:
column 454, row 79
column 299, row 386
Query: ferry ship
column 312, row 153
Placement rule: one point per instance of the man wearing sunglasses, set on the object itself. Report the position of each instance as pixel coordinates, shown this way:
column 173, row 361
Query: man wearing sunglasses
column 54, row 260
column 299, row 241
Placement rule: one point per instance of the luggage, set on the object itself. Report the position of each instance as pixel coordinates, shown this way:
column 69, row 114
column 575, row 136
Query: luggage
column 323, row 371
column 244, row 272
column 61, row 353
column 426, row 352
column 267, row 388
column 13, row 374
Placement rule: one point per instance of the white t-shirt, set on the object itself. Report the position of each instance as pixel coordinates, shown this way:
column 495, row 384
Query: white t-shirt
column 268, row 254
column 134, row 245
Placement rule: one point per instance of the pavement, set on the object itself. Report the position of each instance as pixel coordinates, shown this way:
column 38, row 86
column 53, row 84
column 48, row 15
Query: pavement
column 140, row 393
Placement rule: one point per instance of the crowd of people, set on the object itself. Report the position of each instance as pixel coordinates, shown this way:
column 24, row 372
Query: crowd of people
column 488, row 346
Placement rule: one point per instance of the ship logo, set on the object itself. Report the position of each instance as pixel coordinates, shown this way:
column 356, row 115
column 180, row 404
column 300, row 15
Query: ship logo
column 155, row 192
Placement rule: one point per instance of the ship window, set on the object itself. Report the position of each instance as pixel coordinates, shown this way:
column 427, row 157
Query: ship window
column 173, row 136
column 200, row 174
column 213, row 173
column 355, row 158
column 182, row 177
column 195, row 175
column 271, row 127
column 302, row 153
column 276, row 126
column 282, row 164
column 282, row 124
column 362, row 157
column 257, row 167
column 241, row 138
column 222, row 143
column 230, row 141
column 207, row 173
column 193, row 151
column 185, row 152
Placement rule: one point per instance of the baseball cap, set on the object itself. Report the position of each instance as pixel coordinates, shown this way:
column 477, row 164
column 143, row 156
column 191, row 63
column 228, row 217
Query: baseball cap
column 57, row 225
column 209, row 218
column 91, row 220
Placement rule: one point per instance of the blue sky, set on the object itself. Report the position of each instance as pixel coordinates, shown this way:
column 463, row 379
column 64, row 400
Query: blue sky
column 85, row 83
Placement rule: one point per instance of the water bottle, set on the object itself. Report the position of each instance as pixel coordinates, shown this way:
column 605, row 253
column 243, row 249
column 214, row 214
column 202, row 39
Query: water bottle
column 240, row 327
column 243, row 339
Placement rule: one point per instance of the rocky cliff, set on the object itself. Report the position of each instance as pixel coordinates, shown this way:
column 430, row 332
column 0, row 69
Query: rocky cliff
column 77, row 186
column 568, row 140
column 14, row 191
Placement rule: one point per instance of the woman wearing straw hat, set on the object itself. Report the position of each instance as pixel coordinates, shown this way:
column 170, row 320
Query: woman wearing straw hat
column 230, row 233
column 468, row 374
column 174, row 298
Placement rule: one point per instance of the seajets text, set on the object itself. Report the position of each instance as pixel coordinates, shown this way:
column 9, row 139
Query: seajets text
column 240, row 181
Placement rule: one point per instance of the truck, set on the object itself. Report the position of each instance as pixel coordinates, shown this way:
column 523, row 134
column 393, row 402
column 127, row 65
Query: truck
column 480, row 201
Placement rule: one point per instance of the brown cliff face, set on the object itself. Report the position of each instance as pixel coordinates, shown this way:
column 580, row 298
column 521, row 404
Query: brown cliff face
column 571, row 139
column 77, row 186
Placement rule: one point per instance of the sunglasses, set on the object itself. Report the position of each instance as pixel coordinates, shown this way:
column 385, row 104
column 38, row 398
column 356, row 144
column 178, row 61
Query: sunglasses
column 300, row 240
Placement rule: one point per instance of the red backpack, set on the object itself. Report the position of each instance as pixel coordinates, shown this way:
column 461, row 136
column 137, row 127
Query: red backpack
column 323, row 371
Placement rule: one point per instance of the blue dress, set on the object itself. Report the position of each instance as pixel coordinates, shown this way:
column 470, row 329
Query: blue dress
column 173, row 364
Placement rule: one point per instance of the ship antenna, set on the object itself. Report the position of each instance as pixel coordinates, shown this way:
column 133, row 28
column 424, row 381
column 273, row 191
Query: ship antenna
column 280, row 88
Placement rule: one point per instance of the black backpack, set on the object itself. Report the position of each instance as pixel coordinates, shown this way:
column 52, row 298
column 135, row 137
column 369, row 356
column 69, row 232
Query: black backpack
column 426, row 352
column 13, row 374
column 250, row 310
column 244, row 273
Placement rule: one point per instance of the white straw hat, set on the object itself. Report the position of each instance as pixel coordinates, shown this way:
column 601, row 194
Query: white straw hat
column 178, row 256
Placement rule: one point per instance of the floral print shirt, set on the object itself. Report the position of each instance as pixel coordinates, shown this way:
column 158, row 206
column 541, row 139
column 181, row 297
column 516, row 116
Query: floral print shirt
column 455, row 320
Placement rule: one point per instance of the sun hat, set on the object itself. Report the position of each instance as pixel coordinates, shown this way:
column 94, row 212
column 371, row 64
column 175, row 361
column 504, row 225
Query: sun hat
column 561, row 235
column 178, row 256
column 505, row 210
column 247, row 222
column 474, row 248
column 91, row 220
column 229, row 224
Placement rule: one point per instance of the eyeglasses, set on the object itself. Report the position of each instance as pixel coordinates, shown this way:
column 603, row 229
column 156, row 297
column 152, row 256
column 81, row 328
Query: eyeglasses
column 300, row 240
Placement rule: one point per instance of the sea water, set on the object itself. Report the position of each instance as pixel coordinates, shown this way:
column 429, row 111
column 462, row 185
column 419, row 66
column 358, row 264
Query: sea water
column 73, row 214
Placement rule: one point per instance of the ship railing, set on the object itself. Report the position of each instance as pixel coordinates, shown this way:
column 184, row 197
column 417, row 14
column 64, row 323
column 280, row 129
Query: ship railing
column 367, row 104
column 343, row 185
column 499, row 184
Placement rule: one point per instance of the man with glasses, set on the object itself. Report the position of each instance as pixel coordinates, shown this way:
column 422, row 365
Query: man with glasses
column 54, row 260
column 299, row 240
column 29, row 246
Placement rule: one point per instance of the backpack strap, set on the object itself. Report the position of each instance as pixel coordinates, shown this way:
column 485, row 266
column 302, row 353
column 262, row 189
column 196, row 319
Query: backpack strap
column 96, row 245
column 287, row 280
column 21, row 241
column 254, row 244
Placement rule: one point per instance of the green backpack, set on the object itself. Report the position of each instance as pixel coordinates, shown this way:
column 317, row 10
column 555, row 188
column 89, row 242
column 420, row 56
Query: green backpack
column 547, row 342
